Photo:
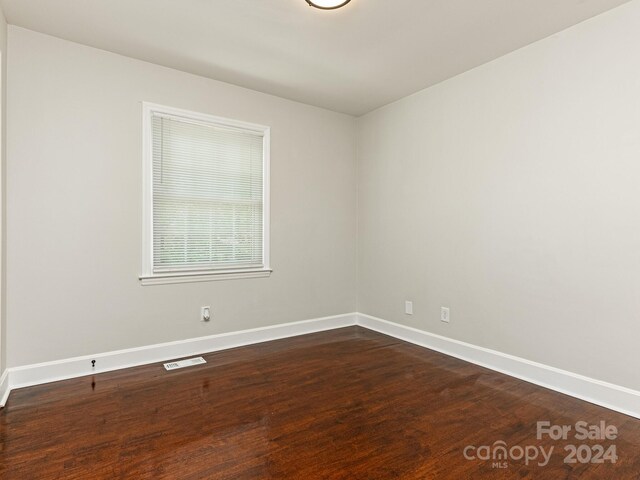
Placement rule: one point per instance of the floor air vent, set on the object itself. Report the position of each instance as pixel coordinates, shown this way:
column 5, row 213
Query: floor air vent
column 184, row 363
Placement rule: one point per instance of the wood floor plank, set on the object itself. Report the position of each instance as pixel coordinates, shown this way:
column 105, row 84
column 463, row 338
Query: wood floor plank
column 344, row 404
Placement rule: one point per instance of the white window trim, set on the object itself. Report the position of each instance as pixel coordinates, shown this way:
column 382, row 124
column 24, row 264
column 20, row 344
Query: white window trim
column 148, row 276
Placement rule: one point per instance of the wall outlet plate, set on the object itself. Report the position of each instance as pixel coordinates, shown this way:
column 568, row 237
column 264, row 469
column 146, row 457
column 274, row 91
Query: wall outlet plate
column 205, row 314
column 445, row 314
column 408, row 307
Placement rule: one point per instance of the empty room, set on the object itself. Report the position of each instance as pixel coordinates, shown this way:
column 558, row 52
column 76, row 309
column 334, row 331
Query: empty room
column 320, row 239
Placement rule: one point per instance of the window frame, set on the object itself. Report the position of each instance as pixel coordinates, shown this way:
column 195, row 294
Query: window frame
column 148, row 276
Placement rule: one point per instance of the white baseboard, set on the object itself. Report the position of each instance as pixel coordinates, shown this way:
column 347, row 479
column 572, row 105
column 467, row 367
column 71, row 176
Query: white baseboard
column 37, row 374
column 608, row 395
column 4, row 388
column 601, row 393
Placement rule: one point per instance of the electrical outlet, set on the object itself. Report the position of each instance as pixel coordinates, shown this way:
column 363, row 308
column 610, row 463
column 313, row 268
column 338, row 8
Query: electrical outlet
column 445, row 315
column 205, row 314
column 408, row 307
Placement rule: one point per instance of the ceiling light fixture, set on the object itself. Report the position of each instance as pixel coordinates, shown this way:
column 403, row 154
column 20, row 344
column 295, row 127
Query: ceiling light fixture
column 327, row 4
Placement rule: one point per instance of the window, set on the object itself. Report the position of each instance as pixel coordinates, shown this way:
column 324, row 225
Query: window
column 206, row 209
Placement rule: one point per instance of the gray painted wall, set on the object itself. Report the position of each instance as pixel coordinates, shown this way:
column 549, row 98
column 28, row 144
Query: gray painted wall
column 511, row 194
column 74, row 206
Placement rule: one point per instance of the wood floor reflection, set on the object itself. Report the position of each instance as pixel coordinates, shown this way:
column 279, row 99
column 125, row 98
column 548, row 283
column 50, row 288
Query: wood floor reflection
column 344, row 404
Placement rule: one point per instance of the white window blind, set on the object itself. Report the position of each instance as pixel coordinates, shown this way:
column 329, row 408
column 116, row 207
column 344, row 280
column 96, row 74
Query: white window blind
column 208, row 208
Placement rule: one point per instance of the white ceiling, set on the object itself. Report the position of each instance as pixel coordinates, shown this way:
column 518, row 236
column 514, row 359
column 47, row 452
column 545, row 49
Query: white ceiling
column 351, row 60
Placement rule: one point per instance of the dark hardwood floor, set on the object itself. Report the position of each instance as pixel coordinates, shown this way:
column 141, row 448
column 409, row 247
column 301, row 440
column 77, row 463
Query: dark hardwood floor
column 345, row 404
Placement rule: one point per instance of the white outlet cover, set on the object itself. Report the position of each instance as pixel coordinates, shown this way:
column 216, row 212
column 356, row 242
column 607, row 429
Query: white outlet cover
column 408, row 307
column 445, row 314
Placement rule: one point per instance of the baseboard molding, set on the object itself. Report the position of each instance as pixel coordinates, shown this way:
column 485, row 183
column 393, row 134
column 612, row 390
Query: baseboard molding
column 37, row 374
column 608, row 395
column 601, row 393
column 4, row 388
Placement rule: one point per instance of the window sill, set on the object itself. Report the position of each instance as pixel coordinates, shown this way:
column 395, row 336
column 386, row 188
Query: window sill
column 186, row 277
